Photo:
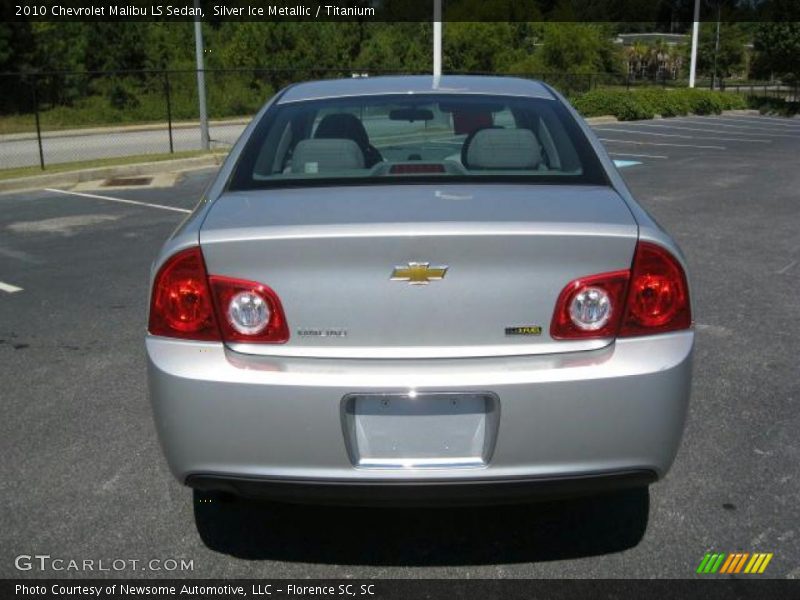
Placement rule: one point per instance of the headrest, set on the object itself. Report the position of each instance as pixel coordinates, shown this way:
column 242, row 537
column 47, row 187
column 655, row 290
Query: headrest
column 502, row 149
column 343, row 125
column 314, row 156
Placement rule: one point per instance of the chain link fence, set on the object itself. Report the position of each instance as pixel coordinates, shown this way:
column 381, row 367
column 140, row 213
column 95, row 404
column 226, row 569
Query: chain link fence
column 62, row 117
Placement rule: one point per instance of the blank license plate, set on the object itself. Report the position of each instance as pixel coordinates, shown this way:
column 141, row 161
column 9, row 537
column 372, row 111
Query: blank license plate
column 425, row 430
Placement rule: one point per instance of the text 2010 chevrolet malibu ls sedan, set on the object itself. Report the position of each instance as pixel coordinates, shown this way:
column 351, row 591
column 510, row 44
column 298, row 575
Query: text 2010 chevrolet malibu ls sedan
column 410, row 288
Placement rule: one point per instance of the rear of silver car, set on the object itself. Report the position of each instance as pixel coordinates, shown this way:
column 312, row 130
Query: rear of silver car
column 418, row 349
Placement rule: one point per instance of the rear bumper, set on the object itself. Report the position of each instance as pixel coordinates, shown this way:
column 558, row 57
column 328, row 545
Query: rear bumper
column 405, row 493
column 270, row 426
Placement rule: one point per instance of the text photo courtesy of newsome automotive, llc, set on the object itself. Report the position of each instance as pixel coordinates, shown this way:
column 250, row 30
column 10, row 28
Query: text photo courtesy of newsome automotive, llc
column 400, row 299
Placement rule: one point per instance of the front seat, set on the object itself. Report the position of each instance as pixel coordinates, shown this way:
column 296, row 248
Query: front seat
column 347, row 126
column 319, row 156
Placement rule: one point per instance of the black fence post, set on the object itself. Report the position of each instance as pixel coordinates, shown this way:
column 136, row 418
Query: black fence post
column 169, row 111
column 38, row 125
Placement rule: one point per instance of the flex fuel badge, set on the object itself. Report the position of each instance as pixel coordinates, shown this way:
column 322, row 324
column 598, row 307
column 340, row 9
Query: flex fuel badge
column 524, row 330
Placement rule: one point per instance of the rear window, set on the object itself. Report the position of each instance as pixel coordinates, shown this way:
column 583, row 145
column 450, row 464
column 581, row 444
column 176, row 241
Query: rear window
column 420, row 137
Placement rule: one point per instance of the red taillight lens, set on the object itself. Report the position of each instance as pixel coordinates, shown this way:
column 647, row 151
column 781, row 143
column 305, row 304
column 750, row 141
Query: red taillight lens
column 653, row 297
column 188, row 304
column 248, row 311
column 590, row 307
column 658, row 297
column 181, row 304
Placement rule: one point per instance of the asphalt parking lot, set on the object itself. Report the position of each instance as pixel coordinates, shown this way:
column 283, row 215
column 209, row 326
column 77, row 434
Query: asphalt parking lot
column 82, row 475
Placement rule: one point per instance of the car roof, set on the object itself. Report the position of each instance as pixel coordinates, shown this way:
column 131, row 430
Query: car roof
column 415, row 84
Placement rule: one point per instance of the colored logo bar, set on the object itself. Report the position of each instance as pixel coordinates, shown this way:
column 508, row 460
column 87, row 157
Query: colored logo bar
column 737, row 562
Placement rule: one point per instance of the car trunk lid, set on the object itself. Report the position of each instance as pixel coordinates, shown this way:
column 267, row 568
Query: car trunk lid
column 348, row 264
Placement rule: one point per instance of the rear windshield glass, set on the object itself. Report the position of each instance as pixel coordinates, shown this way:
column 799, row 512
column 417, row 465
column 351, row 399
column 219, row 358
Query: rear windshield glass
column 404, row 138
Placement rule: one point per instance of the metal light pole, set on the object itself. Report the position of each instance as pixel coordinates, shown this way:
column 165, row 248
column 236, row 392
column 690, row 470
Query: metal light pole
column 695, row 30
column 716, row 49
column 437, row 38
column 201, row 80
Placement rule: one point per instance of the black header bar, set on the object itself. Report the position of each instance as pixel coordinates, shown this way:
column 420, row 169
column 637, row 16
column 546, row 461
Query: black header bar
column 665, row 12
column 404, row 589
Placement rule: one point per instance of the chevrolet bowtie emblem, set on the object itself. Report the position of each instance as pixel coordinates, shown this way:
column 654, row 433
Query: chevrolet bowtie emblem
column 418, row 273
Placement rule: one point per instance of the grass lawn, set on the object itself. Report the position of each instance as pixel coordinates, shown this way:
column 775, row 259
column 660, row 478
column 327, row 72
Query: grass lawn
column 103, row 162
column 71, row 118
column 17, row 124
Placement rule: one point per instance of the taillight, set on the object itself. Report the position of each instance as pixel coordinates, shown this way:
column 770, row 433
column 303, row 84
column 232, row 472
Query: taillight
column 590, row 307
column 181, row 304
column 658, row 296
column 653, row 297
column 188, row 304
column 248, row 311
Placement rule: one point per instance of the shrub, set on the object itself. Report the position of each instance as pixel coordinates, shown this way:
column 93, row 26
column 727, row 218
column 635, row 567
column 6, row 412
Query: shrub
column 631, row 108
column 706, row 103
column 773, row 106
column 644, row 103
column 733, row 101
column 619, row 103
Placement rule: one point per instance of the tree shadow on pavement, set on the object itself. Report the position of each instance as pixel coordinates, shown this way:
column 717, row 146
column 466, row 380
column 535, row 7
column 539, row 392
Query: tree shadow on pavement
column 532, row 532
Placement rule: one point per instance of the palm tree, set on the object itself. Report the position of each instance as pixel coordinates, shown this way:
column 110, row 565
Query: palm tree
column 636, row 54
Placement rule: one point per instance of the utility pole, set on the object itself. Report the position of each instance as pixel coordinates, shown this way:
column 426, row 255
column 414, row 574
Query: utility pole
column 437, row 38
column 201, row 80
column 695, row 30
column 716, row 49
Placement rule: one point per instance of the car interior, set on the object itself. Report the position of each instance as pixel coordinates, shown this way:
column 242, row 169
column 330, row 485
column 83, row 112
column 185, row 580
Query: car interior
column 378, row 139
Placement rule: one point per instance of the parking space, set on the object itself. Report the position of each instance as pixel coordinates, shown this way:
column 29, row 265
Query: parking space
column 683, row 137
column 83, row 477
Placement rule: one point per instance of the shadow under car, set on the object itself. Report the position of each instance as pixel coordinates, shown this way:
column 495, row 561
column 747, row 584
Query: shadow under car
column 530, row 532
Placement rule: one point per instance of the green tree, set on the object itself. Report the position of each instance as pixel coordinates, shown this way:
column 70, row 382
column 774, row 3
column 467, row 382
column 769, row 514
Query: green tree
column 778, row 50
column 170, row 45
column 728, row 58
column 58, row 47
column 475, row 47
column 397, row 48
column 574, row 48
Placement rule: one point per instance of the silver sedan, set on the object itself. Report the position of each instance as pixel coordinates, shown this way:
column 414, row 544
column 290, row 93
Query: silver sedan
column 410, row 289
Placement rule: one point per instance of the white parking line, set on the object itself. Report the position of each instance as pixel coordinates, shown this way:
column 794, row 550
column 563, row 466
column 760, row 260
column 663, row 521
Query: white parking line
column 788, row 120
column 662, row 144
column 11, row 289
column 765, row 121
column 120, row 200
column 736, row 133
column 759, row 130
column 636, row 155
column 679, row 135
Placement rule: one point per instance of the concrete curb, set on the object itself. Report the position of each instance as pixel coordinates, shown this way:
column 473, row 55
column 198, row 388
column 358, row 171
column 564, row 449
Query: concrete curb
column 70, row 178
column 741, row 112
column 605, row 119
column 57, row 133
column 601, row 120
